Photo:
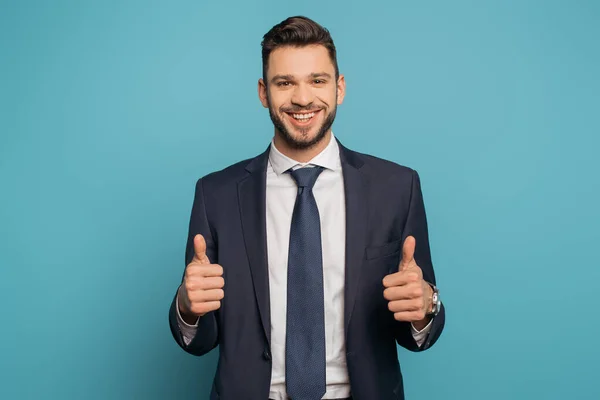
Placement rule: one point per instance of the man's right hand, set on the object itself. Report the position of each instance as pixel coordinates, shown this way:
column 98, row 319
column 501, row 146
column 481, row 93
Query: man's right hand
column 202, row 287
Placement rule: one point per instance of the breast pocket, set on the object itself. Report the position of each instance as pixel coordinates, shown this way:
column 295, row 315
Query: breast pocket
column 384, row 258
column 383, row 250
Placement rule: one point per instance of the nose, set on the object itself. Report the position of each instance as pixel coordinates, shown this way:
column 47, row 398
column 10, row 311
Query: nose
column 302, row 95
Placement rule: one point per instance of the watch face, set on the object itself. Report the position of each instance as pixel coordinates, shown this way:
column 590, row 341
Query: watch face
column 436, row 303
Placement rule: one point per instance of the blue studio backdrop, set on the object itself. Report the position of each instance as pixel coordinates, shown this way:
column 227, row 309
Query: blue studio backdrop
column 110, row 111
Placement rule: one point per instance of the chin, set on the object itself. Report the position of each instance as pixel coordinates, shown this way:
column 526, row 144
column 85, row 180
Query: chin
column 300, row 136
column 299, row 140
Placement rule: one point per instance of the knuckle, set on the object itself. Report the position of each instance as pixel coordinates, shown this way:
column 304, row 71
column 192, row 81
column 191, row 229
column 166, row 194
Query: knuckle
column 196, row 296
column 192, row 271
column 191, row 267
column 203, row 307
column 196, row 308
column 192, row 295
column 189, row 285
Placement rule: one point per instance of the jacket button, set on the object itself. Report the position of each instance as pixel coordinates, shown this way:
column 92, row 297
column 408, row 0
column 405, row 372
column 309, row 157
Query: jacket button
column 267, row 355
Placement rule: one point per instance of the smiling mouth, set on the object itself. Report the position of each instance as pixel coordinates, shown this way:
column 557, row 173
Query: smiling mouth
column 303, row 118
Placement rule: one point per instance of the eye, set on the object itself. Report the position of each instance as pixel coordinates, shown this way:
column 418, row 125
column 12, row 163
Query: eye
column 283, row 83
column 318, row 81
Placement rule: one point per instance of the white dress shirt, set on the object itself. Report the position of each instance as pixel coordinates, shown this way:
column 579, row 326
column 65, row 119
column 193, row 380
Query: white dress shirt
column 329, row 195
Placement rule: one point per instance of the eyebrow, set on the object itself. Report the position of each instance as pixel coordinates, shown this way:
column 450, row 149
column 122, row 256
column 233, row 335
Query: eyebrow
column 282, row 77
column 320, row 75
column 291, row 77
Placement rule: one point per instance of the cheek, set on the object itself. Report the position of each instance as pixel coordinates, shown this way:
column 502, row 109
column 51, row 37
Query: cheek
column 328, row 96
column 278, row 99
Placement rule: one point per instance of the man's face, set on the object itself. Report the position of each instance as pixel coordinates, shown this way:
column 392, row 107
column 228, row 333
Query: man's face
column 301, row 93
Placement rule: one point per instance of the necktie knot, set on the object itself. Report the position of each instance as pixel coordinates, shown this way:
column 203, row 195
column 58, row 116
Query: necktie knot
column 306, row 177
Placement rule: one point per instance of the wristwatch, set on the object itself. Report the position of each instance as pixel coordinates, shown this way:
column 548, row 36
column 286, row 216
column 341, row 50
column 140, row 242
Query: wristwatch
column 436, row 303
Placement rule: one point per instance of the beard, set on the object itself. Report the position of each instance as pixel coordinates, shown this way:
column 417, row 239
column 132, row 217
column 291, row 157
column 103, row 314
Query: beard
column 295, row 142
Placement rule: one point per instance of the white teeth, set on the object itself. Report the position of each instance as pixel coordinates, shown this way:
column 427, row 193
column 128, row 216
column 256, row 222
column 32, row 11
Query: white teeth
column 303, row 117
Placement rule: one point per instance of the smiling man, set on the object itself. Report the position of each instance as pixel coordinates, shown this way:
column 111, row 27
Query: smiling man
column 308, row 263
column 302, row 92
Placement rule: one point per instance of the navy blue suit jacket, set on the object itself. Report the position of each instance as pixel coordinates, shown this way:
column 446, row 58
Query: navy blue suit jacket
column 384, row 205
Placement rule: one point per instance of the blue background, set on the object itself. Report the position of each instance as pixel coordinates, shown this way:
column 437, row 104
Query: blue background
column 111, row 110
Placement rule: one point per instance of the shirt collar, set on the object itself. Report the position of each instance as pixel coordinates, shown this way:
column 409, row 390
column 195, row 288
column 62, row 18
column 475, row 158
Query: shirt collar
column 328, row 158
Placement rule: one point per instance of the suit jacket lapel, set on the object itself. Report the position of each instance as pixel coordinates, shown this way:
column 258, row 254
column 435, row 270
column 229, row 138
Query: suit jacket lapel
column 252, row 200
column 356, row 226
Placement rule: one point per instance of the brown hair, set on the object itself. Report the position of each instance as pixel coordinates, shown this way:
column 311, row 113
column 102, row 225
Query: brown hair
column 297, row 31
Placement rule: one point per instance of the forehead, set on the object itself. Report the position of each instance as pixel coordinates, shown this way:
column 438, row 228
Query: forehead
column 300, row 61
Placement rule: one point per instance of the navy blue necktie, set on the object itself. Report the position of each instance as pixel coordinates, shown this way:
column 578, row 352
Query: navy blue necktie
column 305, row 329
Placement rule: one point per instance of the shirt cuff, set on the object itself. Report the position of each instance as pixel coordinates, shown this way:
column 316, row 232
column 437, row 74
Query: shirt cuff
column 187, row 331
column 421, row 335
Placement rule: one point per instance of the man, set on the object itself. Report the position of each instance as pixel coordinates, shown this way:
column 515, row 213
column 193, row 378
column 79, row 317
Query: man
column 307, row 264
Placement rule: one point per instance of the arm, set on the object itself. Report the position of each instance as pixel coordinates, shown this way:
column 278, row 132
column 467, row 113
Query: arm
column 202, row 337
column 416, row 226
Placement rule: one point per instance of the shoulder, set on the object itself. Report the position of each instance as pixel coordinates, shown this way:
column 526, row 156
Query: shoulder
column 231, row 173
column 226, row 178
column 380, row 169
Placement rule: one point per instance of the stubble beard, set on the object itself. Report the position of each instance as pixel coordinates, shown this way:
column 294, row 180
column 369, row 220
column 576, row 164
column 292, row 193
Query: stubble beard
column 294, row 142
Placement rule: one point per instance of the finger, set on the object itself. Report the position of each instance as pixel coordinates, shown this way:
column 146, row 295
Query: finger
column 406, row 292
column 203, row 296
column 409, row 316
column 405, row 305
column 203, row 308
column 203, row 270
column 205, row 283
column 216, row 282
column 408, row 252
column 200, row 249
column 401, row 278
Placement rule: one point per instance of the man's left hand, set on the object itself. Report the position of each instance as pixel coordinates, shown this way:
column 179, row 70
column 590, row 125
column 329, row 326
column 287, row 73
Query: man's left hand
column 409, row 296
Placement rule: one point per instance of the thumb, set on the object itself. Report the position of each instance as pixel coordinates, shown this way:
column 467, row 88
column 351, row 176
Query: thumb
column 200, row 249
column 408, row 252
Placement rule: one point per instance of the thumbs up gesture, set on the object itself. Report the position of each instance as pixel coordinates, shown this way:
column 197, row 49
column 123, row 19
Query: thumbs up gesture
column 202, row 288
column 409, row 296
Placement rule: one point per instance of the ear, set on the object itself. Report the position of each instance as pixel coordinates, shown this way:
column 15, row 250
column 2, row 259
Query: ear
column 341, row 89
column 262, row 93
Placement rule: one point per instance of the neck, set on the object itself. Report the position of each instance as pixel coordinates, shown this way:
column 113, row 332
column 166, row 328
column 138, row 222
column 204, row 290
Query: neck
column 301, row 155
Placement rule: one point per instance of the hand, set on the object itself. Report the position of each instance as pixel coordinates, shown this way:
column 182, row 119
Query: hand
column 409, row 296
column 202, row 288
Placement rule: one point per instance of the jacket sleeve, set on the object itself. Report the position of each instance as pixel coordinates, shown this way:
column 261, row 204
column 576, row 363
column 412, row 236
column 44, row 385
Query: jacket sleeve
column 416, row 226
column 207, row 334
